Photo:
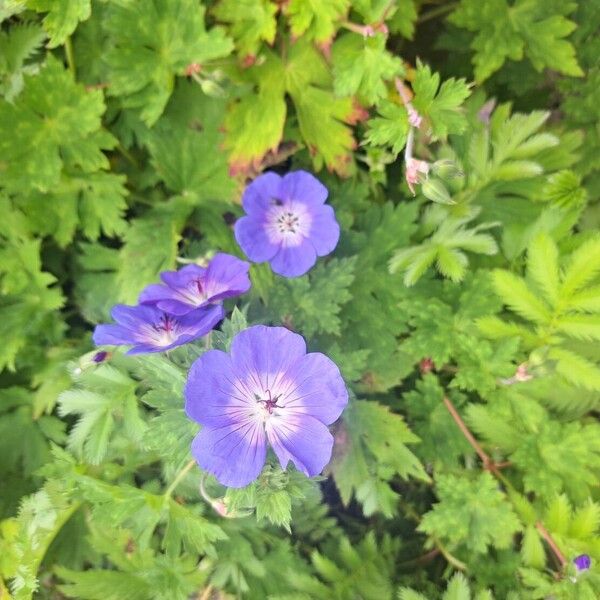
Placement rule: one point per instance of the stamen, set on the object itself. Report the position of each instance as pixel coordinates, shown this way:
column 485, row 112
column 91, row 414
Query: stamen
column 288, row 222
column 270, row 403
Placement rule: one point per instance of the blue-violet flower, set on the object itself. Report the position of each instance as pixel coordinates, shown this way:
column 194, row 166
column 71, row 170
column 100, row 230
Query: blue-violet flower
column 287, row 222
column 582, row 562
column 193, row 286
column 268, row 389
column 149, row 329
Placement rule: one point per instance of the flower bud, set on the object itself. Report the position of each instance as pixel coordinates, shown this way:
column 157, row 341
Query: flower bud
column 211, row 88
column 434, row 190
column 582, row 562
column 446, row 169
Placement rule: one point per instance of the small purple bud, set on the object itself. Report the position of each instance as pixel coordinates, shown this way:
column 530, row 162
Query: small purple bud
column 582, row 562
column 100, row 356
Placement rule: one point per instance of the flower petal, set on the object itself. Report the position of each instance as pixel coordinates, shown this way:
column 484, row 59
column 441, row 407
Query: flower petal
column 175, row 307
column 301, row 186
column 324, row 230
column 226, row 276
column 132, row 317
column 264, row 354
column 153, row 293
column 252, row 237
column 112, row 335
column 318, row 389
column 183, row 276
column 212, row 395
column 301, row 439
column 200, row 321
column 258, row 196
column 234, row 454
column 293, row 261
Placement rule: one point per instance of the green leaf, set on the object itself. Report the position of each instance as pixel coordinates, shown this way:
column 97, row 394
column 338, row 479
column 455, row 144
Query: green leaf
column 151, row 44
column 108, row 393
column 403, row 19
column 526, row 28
column 175, row 147
column 515, row 292
column 449, row 241
column 150, row 247
column 458, row 589
column 311, row 304
column 315, row 19
column 441, row 105
column 62, row 18
column 271, row 496
column 542, row 266
column 370, row 448
column 390, row 127
column 250, row 22
column 583, row 267
column 54, row 123
column 361, row 66
column 532, row 549
column 254, row 123
column 441, row 441
column 321, row 116
column 17, row 45
column 471, row 512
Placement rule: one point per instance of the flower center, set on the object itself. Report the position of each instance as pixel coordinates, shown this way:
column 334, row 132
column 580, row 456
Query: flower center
column 194, row 292
column 288, row 222
column 268, row 404
column 165, row 332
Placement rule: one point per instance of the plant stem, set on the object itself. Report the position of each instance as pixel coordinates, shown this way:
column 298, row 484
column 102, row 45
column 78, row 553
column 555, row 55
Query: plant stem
column 188, row 467
column 449, row 558
column 206, row 593
column 550, row 541
column 70, row 56
column 487, row 462
column 437, row 12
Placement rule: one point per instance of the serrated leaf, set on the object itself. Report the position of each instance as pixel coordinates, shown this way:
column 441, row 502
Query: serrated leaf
column 525, row 28
column 315, row 19
column 150, row 247
column 441, row 105
column 361, row 66
column 542, row 266
column 251, row 22
column 152, row 43
column 254, row 124
column 53, row 123
column 62, row 18
column 390, row 127
column 515, row 292
column 471, row 513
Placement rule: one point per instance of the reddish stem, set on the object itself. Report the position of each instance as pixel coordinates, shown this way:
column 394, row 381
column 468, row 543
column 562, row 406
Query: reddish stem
column 488, row 463
column 550, row 541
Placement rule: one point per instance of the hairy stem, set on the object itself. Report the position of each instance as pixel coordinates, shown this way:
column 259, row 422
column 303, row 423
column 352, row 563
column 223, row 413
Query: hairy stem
column 179, row 477
column 487, row 462
column 552, row 544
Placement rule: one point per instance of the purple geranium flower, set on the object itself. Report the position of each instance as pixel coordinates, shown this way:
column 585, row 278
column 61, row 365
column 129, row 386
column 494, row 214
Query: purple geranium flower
column 266, row 389
column 582, row 562
column 193, row 286
column 287, row 222
column 149, row 329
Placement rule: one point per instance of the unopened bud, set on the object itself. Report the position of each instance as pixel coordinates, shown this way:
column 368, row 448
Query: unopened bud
column 446, row 169
column 434, row 190
column 211, row 88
